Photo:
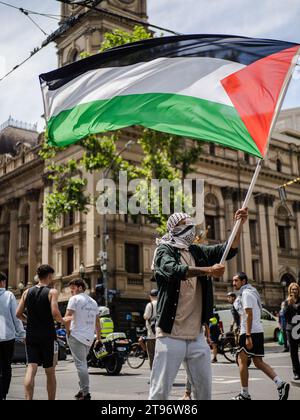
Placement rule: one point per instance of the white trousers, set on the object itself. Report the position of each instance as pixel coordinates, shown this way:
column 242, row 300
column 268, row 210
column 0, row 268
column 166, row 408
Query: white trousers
column 170, row 353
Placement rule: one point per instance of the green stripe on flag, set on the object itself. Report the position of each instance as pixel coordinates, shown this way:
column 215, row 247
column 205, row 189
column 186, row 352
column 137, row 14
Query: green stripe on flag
column 175, row 114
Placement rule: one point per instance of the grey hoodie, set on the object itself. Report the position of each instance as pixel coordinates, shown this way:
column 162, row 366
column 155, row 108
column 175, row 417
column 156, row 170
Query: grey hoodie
column 10, row 326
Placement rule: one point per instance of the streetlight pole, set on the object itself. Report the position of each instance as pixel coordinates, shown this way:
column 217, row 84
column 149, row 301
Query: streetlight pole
column 105, row 237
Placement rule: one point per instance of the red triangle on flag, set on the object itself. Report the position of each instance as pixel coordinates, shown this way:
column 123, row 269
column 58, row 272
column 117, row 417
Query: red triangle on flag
column 255, row 90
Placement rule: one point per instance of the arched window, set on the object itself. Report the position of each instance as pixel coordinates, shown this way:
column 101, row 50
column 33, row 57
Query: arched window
column 278, row 165
column 287, row 279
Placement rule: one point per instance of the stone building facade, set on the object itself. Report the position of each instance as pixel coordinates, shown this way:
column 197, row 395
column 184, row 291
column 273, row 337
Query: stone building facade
column 270, row 249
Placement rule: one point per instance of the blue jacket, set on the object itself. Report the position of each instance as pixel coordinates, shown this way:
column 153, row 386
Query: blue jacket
column 10, row 326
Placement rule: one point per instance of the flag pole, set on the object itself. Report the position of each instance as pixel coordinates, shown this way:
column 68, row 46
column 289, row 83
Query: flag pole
column 282, row 94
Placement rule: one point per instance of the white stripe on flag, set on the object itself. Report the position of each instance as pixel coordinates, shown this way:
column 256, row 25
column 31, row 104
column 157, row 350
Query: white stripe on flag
column 198, row 77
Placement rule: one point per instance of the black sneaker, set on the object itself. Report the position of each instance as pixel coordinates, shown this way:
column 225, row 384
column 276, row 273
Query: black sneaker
column 79, row 395
column 242, row 397
column 86, row 397
column 297, row 378
column 283, row 391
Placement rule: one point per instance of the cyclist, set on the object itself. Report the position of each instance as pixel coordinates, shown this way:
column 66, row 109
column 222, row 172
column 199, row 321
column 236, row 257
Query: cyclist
column 215, row 332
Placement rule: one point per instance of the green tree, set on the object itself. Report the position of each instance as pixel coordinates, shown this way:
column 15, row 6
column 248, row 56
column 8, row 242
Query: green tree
column 164, row 157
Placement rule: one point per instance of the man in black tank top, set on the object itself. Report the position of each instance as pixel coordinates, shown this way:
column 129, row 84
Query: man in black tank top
column 41, row 305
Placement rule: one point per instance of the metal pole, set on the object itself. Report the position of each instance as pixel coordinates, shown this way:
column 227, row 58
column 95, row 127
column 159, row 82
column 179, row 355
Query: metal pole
column 260, row 162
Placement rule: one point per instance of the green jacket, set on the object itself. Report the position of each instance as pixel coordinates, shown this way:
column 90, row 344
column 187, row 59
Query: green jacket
column 169, row 272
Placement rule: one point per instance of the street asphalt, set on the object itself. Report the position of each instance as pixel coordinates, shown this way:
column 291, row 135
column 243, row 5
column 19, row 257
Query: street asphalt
column 133, row 384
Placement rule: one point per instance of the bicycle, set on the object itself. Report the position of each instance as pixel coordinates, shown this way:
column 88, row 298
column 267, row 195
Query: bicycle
column 137, row 356
column 228, row 348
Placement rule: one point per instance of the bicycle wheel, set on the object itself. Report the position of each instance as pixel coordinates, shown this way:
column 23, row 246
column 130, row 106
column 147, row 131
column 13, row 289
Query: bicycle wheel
column 136, row 356
column 229, row 351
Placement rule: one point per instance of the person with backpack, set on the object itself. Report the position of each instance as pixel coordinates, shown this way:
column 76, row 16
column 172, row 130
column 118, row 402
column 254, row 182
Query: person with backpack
column 10, row 329
column 150, row 318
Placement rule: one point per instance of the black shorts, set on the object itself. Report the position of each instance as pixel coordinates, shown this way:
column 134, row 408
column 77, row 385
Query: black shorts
column 258, row 345
column 43, row 353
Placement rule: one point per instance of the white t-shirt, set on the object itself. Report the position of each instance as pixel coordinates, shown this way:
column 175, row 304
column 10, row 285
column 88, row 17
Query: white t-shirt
column 249, row 301
column 84, row 318
column 150, row 315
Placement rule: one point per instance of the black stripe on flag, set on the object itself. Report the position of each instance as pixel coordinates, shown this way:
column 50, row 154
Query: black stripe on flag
column 227, row 47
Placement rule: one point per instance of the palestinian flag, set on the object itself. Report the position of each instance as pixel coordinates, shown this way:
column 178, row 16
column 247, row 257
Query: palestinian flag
column 218, row 88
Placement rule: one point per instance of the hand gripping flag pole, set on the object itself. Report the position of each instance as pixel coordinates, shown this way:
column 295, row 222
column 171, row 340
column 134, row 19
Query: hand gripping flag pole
column 261, row 161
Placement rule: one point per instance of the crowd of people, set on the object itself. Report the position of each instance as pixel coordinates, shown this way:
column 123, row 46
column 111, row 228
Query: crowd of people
column 182, row 326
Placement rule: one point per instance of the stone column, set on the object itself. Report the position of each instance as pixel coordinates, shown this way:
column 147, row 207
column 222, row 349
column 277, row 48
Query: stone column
column 294, row 159
column 296, row 209
column 33, row 198
column 13, row 206
column 46, row 250
column 261, row 203
column 273, row 249
column 247, row 250
column 245, row 244
column 229, row 195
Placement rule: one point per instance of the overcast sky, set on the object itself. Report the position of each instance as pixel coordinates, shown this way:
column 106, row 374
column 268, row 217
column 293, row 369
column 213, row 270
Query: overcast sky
column 20, row 94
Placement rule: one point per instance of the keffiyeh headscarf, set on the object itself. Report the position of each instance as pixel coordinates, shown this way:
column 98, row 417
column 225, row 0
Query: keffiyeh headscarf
column 178, row 236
